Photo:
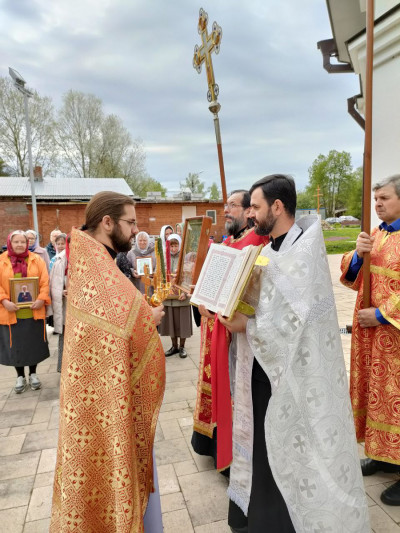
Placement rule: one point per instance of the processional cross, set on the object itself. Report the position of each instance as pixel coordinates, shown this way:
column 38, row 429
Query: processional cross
column 202, row 54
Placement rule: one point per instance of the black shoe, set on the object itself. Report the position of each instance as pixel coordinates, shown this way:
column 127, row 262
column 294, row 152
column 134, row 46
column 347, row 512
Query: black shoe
column 182, row 353
column 370, row 466
column 172, row 351
column 391, row 496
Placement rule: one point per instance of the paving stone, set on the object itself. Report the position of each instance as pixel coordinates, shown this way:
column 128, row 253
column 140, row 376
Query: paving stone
column 38, row 526
column 54, row 421
column 203, row 462
column 171, row 429
column 47, row 461
column 182, row 375
column 40, row 503
column 12, row 520
column 11, row 445
column 215, row 527
column 40, row 440
column 19, row 403
column 28, row 429
column 15, row 492
column 205, row 496
column 173, row 406
column 49, row 394
column 42, row 414
column 179, row 393
column 178, row 384
column 159, row 434
column 375, row 491
column 186, row 421
column 187, row 431
column 15, row 466
column 4, row 432
column 185, row 467
column 171, row 451
column 177, row 522
column 178, row 413
column 381, row 522
column 167, row 480
column 172, row 502
column 44, row 480
column 18, row 418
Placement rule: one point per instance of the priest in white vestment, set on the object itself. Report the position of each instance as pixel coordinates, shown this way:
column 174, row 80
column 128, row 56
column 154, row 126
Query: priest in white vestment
column 295, row 463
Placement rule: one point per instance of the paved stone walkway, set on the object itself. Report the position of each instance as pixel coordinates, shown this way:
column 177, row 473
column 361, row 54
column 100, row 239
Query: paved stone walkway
column 193, row 494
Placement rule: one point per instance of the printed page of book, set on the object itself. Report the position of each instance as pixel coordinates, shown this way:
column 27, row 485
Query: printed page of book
column 217, row 277
column 248, row 261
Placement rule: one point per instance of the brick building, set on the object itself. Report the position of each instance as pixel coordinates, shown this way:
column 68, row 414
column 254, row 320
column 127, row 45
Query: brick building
column 61, row 203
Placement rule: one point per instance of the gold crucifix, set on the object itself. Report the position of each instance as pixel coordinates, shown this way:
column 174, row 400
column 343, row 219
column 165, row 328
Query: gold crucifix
column 202, row 54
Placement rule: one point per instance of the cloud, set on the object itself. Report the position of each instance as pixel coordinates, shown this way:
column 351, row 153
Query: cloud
column 280, row 109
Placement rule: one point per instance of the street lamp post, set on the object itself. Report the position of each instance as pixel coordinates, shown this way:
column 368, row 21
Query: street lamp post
column 19, row 83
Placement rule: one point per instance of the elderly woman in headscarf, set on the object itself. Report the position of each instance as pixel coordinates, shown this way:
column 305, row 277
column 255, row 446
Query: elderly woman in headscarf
column 23, row 339
column 179, row 229
column 177, row 321
column 33, row 240
column 143, row 248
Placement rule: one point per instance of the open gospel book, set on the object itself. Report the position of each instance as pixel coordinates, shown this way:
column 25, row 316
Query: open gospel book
column 224, row 277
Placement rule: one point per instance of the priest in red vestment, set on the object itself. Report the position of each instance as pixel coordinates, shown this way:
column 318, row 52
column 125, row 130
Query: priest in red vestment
column 375, row 344
column 213, row 405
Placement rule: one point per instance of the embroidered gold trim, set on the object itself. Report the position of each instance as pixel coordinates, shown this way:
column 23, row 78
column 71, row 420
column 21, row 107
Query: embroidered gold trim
column 359, row 412
column 392, row 274
column 383, row 427
column 381, row 458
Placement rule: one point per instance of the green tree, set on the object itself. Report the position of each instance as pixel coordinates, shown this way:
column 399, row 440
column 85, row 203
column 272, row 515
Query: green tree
column 354, row 199
column 334, row 176
column 13, row 142
column 213, row 191
column 141, row 186
column 306, row 200
column 194, row 183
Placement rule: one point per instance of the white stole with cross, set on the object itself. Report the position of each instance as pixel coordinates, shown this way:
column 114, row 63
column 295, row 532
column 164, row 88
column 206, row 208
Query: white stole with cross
column 309, row 426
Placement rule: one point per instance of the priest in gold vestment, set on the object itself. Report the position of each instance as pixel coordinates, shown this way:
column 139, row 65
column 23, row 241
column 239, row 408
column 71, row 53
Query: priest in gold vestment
column 112, row 384
column 375, row 346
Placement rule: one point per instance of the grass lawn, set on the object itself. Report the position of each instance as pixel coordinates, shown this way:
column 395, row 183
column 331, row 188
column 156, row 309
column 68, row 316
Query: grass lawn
column 341, row 240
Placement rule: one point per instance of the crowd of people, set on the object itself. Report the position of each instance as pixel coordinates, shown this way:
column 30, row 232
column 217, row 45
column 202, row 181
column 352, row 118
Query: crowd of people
column 273, row 405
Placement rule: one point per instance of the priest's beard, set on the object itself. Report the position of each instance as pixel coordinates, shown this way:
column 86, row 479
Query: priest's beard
column 119, row 241
column 264, row 227
column 234, row 225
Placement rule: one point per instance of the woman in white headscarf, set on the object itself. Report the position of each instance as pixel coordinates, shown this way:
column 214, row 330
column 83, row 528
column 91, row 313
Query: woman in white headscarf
column 34, row 247
column 177, row 321
column 143, row 247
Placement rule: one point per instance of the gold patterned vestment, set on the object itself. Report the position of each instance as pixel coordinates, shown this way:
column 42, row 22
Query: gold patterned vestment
column 375, row 352
column 112, row 385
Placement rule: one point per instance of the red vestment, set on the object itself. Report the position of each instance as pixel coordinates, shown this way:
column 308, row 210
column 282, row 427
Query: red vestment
column 375, row 352
column 209, row 413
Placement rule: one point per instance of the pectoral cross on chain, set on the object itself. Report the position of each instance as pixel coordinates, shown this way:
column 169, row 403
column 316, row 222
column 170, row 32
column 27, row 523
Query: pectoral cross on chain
column 202, row 54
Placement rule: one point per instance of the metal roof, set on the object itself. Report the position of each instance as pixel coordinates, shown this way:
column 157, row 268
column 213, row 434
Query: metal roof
column 62, row 188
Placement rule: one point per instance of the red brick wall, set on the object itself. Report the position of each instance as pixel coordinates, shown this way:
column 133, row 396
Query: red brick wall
column 151, row 217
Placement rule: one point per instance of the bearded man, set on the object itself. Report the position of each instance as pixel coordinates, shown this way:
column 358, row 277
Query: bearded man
column 295, row 463
column 112, row 384
column 213, row 406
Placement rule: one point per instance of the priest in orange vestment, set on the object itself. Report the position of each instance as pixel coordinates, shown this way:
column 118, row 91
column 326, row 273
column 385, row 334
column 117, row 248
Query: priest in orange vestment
column 375, row 346
column 112, row 383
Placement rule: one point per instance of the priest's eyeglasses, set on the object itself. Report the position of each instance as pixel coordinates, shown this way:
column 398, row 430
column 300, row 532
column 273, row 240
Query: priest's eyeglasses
column 231, row 205
column 132, row 223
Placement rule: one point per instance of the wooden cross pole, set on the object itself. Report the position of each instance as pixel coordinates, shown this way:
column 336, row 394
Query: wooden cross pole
column 318, row 195
column 202, row 54
column 367, row 181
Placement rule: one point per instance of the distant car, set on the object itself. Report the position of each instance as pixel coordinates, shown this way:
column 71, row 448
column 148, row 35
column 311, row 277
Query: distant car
column 348, row 217
column 333, row 220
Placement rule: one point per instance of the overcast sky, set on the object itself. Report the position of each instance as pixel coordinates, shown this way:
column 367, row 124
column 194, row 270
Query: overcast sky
column 279, row 108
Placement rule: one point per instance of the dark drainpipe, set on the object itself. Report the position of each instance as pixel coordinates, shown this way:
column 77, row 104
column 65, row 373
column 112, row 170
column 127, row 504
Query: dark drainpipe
column 328, row 50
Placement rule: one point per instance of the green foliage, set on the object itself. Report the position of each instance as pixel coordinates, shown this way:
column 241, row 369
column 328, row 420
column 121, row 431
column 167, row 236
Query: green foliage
column 4, row 169
column 213, row 192
column 306, row 200
column 333, row 174
column 193, row 183
column 354, row 201
column 142, row 185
